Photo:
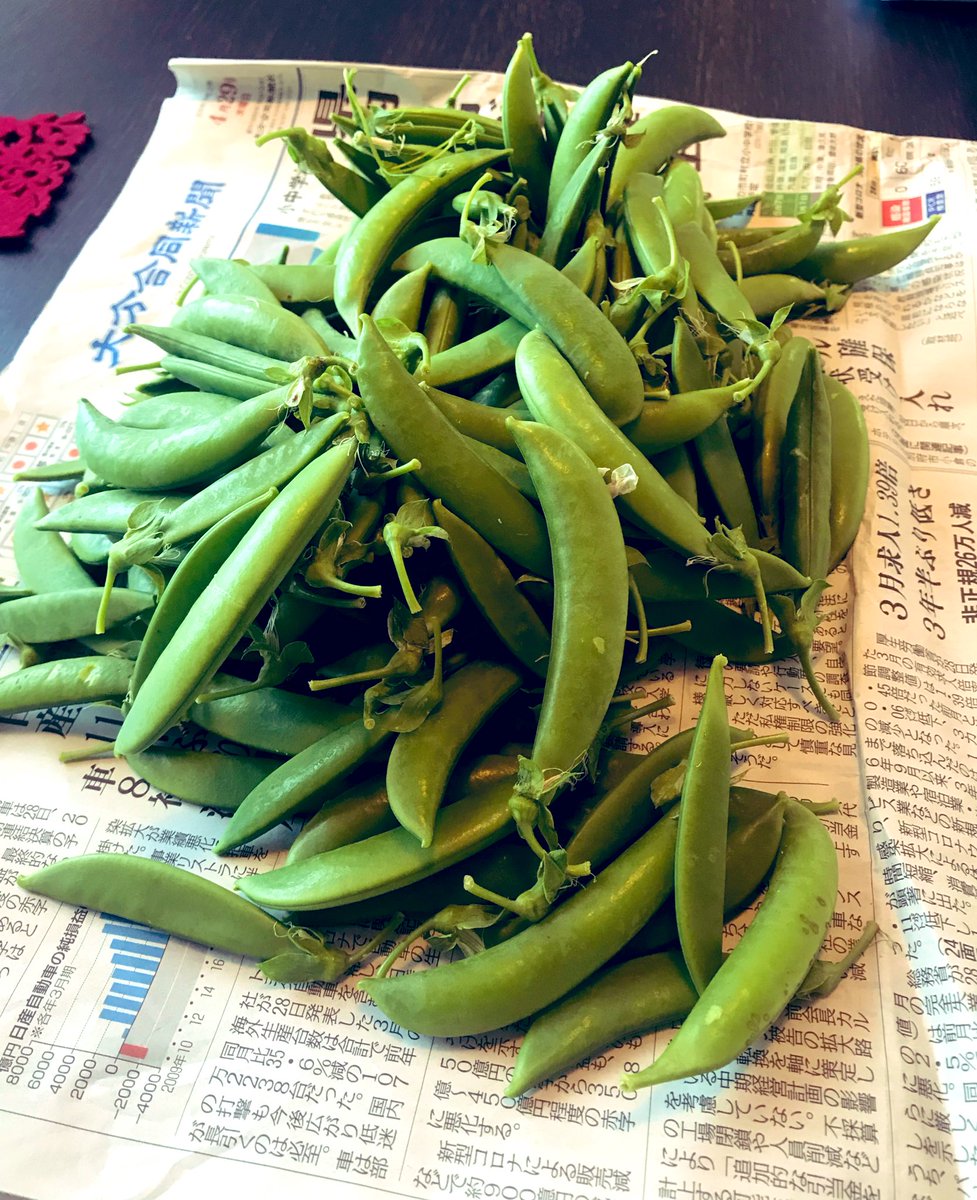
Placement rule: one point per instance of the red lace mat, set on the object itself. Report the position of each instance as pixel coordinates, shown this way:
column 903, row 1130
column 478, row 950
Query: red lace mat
column 35, row 157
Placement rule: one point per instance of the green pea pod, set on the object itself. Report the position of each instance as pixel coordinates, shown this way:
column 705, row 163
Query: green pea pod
column 258, row 325
column 490, row 584
column 370, row 243
column 271, row 719
column 769, row 293
column 179, row 902
column 178, row 342
column 722, row 210
column 404, row 300
column 675, row 467
column 175, row 457
column 858, row 258
column 444, row 319
column 202, row 777
column 700, row 848
column 478, row 421
column 229, row 277
column 767, row 966
column 682, row 192
column 590, row 581
column 717, row 629
column 537, row 294
column 666, row 577
column 44, row 561
column 104, row 512
column 571, row 207
column 664, row 424
column 589, row 115
column 299, row 283
column 781, row 250
column 233, row 598
column 213, row 379
column 385, row 861
column 331, row 337
column 520, row 976
column 65, row 681
column 806, row 471
column 521, row 128
column 421, row 761
column 63, row 616
column 176, row 408
column 654, row 138
column 413, row 426
column 349, row 187
column 305, row 780
column 774, row 401
column 52, row 472
column 849, row 468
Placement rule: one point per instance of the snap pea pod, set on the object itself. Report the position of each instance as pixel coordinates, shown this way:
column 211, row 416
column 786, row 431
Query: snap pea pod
column 359, row 194
column 83, row 680
column 176, row 408
column 716, row 628
column 149, row 459
column 538, row 295
column 210, row 378
column 768, row 293
column 421, row 761
column 92, row 548
column 540, row 964
column 654, row 138
column 187, row 905
column 189, row 582
column 490, row 584
column 412, row 425
column 478, row 421
column 591, row 112
column 230, row 277
column 53, row 472
column 774, row 402
column 104, row 512
column 63, row 616
column 675, row 467
column 299, row 283
column 700, row 847
column 371, row 241
column 682, row 192
column 669, row 578
column 590, row 582
column 782, row 250
column 336, row 341
column 849, row 468
column 181, row 343
column 569, row 210
column 385, row 861
column 257, row 325
column 664, row 424
column 233, row 598
column 444, row 318
column 722, row 210
column 769, row 963
column 805, row 530
column 404, row 300
column 44, row 561
column 521, row 128
column 271, row 719
column 859, row 258
column 200, row 776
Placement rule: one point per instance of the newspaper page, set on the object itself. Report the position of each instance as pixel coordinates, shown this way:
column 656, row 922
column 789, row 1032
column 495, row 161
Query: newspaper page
column 133, row 1064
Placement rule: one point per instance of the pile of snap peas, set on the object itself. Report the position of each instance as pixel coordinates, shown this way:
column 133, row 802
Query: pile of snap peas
column 537, row 411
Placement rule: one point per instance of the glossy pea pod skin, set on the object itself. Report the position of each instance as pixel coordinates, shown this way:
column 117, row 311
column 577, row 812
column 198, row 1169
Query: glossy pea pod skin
column 780, row 251
column 849, row 468
column 421, row 760
column 233, row 598
column 258, row 325
column 105, row 512
column 84, row 680
column 805, row 529
column 774, row 403
column 200, row 776
column 768, row 965
column 178, row 902
column 855, row 259
column 590, row 582
column 44, row 561
column 540, row 964
column 271, row 719
column 521, row 128
column 662, row 133
column 231, row 277
column 413, row 426
column 63, row 616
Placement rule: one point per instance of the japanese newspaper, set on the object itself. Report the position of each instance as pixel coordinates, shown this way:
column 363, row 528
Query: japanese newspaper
column 133, row 1064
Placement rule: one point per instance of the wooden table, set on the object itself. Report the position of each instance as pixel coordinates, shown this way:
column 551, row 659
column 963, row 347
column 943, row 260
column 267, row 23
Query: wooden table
column 898, row 67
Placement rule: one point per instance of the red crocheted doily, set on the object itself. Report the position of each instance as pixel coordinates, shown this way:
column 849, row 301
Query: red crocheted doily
column 34, row 160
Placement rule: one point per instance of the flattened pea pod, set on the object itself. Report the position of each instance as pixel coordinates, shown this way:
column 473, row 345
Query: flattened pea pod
column 849, row 467
column 298, row 283
column 540, row 964
column 234, row 597
column 44, row 561
column 858, row 258
column 654, row 138
column 63, row 616
column 201, row 776
column 665, row 424
column 769, row 963
column 805, row 530
column 65, row 681
column 253, row 324
column 230, row 277
column 782, row 250
column 104, row 512
column 404, row 300
column 271, row 719
column 370, row 242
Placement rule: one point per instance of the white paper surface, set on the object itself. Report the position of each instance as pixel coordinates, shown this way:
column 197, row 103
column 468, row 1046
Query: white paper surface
column 224, row 1081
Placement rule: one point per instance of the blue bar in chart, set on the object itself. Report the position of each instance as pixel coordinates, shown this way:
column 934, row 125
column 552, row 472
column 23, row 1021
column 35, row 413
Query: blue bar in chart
column 136, row 956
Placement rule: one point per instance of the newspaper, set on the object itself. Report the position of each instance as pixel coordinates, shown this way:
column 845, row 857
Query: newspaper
column 136, row 1065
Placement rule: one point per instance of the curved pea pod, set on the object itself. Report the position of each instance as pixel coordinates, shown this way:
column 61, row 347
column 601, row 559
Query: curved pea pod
column 591, row 112
column 521, row 128
column 849, row 468
column 334, row 339
column 768, row 293
column 537, row 294
column 590, row 582
column 676, row 468
column 371, row 241
column 104, row 512
column 258, row 325
column 682, row 192
column 233, row 598
column 44, row 561
column 187, row 905
column 200, row 776
column 781, row 251
column 490, row 584
column 169, row 458
column 666, row 577
column 540, row 964
column 65, row 681
column 664, row 424
column 176, row 408
column 654, row 138
column 805, row 529
column 359, row 194
column 774, row 402
column 769, row 963
column 570, row 209
column 210, row 378
column 444, row 318
column 63, row 616
column 181, row 343
column 478, row 421
column 717, row 629
column 230, row 277
column 859, row 258
column 413, row 426
column 298, row 283
column 52, row 472
column 421, row 760
column 385, row 861
column 271, row 719
column 404, row 300
column 507, row 465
